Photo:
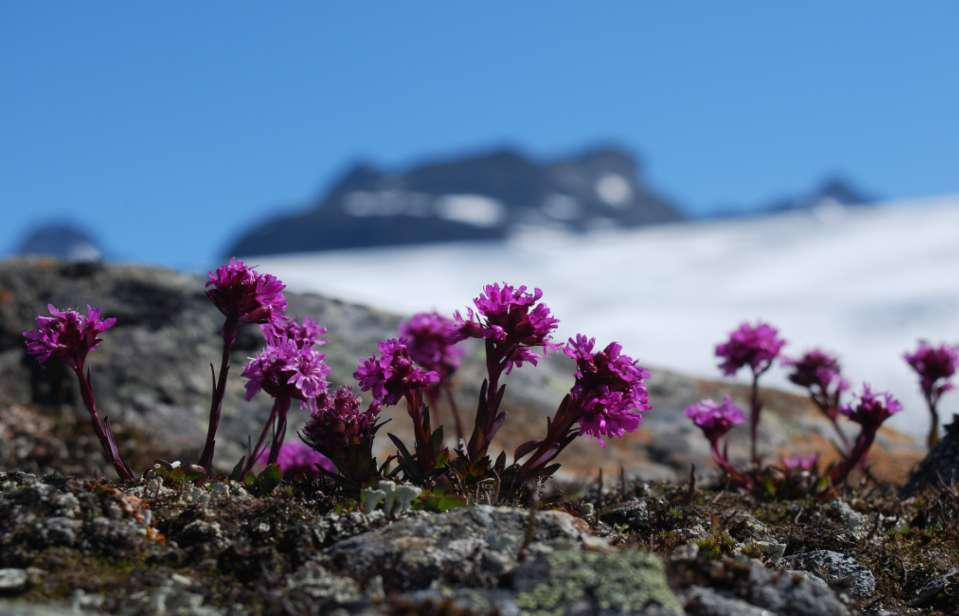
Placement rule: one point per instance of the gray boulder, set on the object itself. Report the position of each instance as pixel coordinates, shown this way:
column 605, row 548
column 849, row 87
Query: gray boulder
column 839, row 570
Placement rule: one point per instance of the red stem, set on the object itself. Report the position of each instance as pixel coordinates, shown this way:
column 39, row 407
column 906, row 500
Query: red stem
column 483, row 427
column 755, row 407
column 101, row 426
column 933, row 436
column 280, row 407
column 454, row 409
column 856, row 457
column 255, row 454
column 230, row 329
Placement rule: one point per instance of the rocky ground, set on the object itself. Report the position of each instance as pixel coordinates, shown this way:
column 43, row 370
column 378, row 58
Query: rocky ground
column 647, row 541
column 161, row 546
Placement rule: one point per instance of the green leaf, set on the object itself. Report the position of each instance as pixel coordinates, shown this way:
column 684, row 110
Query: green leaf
column 438, row 501
column 268, row 479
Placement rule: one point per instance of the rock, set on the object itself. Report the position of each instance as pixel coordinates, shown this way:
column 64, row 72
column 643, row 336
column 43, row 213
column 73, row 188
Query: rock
column 17, row 608
column 472, row 546
column 634, row 514
column 940, row 592
column 575, row 582
column 60, row 531
column 314, row 589
column 792, row 593
column 839, row 570
column 700, row 601
column 172, row 598
column 457, row 601
column 853, row 521
column 941, row 465
column 773, row 550
column 13, row 581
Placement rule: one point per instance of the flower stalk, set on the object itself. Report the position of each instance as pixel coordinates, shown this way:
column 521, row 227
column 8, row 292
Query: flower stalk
column 70, row 336
column 242, row 295
column 755, row 347
column 935, row 366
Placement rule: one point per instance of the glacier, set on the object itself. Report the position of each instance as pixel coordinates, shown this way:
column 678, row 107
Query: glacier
column 864, row 282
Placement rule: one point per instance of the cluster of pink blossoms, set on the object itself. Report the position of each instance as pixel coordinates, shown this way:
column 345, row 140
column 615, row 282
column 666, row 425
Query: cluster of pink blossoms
column 816, row 369
column 243, row 294
column 610, row 388
column 870, row 410
column 755, row 346
column 513, row 320
column 289, row 366
column 432, row 342
column 935, row 365
column 296, row 458
column 67, row 335
column 715, row 419
column 393, row 375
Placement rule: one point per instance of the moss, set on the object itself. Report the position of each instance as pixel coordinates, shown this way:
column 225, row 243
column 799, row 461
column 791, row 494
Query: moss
column 67, row 570
column 624, row 582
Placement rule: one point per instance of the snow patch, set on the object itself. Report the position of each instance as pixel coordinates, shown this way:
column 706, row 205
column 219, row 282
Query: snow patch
column 866, row 285
column 613, row 189
column 477, row 210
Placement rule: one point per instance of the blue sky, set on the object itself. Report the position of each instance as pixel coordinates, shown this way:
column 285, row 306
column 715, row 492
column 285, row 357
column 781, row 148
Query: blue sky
column 168, row 127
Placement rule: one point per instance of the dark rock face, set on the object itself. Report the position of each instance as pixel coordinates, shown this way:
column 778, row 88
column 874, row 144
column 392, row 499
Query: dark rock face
column 482, row 196
column 941, row 466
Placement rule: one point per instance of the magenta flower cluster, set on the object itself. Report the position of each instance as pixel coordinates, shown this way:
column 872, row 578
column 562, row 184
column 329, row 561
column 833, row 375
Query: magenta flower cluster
column 67, row 335
column 870, row 410
column 245, row 295
column 753, row 346
column 610, row 389
column 757, row 347
column 715, row 419
column 289, row 366
column 296, row 458
column 935, row 366
column 432, row 342
column 393, row 376
column 816, row 369
column 513, row 323
column 514, row 320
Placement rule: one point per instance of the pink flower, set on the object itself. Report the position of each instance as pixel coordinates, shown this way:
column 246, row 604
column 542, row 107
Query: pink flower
column 289, row 367
column 393, row 375
column 297, row 458
column 340, row 430
column 432, row 342
column 305, row 334
column 514, row 320
column 935, row 365
column 799, row 462
column 610, row 389
column 715, row 419
column 755, row 346
column 242, row 293
column 67, row 335
column 816, row 368
column 870, row 410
